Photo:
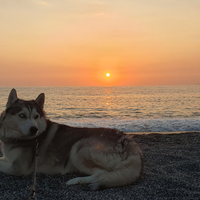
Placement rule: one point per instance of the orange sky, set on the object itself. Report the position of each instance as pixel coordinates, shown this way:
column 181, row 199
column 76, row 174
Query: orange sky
column 76, row 42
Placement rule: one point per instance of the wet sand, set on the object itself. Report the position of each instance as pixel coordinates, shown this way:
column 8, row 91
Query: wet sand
column 171, row 171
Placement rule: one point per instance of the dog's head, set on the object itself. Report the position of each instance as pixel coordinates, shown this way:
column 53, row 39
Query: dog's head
column 23, row 118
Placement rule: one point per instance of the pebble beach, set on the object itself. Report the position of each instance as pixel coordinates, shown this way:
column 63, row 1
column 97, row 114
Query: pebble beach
column 171, row 171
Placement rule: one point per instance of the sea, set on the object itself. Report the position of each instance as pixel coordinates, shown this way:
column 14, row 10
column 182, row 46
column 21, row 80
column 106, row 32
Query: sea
column 129, row 108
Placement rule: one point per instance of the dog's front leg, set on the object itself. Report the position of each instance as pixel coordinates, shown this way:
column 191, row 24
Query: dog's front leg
column 5, row 166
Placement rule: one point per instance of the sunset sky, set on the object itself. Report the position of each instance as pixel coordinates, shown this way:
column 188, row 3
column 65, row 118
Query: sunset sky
column 76, row 42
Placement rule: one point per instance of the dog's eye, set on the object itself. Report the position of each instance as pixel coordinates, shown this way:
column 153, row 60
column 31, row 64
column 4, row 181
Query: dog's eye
column 22, row 115
column 36, row 116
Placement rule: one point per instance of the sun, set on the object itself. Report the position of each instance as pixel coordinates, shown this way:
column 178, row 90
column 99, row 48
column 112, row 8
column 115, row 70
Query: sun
column 108, row 75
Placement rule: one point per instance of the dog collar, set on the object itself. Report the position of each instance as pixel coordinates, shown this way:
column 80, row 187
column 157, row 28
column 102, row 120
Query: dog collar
column 24, row 141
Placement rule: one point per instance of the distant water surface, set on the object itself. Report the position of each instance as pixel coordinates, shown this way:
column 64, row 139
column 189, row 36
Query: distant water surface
column 131, row 109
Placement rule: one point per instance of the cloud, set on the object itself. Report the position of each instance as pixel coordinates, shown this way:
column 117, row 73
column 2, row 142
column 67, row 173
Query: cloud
column 98, row 2
column 43, row 3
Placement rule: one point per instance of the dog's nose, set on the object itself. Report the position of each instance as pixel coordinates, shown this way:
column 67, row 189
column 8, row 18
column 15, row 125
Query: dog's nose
column 33, row 130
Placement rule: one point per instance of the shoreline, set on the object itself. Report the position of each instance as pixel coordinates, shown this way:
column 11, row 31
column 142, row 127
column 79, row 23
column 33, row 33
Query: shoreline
column 171, row 171
column 167, row 133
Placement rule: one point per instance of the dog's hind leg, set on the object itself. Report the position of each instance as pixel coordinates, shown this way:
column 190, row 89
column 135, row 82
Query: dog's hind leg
column 107, row 167
column 85, row 180
column 125, row 173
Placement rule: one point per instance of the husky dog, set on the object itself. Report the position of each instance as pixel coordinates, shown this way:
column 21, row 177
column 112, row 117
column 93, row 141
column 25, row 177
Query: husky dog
column 107, row 157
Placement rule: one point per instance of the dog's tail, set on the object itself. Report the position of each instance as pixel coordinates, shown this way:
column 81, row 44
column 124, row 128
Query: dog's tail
column 127, row 172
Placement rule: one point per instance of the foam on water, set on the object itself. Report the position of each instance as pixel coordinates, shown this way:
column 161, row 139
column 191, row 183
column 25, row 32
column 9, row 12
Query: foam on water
column 139, row 125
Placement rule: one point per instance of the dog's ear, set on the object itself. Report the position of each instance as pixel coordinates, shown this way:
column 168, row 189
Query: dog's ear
column 40, row 100
column 12, row 98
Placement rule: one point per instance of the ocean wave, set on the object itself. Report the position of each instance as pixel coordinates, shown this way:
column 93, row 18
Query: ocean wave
column 138, row 125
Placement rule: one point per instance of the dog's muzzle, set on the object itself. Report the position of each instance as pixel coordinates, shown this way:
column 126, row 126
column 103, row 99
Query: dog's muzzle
column 33, row 130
